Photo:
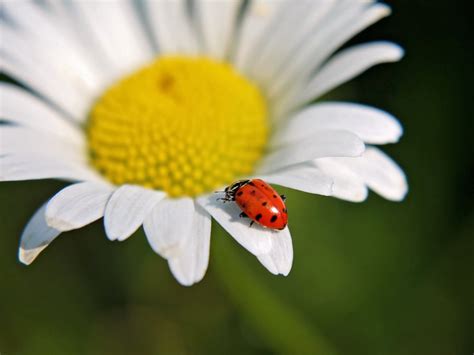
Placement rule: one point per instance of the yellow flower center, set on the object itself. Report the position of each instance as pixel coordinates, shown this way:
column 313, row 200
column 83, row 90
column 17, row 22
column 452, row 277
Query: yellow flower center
column 181, row 124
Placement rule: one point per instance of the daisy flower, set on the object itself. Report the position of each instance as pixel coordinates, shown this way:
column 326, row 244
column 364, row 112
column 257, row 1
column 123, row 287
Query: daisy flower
column 149, row 107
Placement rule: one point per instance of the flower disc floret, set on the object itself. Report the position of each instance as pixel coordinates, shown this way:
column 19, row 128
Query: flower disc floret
column 185, row 125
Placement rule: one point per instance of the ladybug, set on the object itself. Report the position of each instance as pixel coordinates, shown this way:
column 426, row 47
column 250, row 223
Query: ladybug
column 259, row 202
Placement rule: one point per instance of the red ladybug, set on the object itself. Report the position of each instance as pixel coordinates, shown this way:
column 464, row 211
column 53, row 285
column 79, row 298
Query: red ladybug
column 259, row 202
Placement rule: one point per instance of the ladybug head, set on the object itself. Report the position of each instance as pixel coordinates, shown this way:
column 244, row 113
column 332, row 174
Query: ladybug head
column 231, row 190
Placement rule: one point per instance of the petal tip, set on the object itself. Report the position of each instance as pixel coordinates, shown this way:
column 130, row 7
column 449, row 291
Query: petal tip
column 398, row 131
column 362, row 196
column 400, row 52
column 393, row 51
column 26, row 257
column 111, row 235
column 401, row 192
column 384, row 9
column 359, row 149
column 183, row 282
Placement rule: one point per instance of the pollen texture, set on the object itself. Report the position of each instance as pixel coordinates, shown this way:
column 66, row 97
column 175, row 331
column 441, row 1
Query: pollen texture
column 183, row 125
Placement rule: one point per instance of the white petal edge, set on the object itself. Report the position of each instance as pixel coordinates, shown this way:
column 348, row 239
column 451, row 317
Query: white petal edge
column 346, row 184
column 47, row 86
column 168, row 226
column 277, row 55
column 346, row 65
column 326, row 41
column 171, row 27
column 53, row 59
column 315, row 46
column 257, row 240
column 32, row 166
column 77, row 205
column 190, row 265
column 126, row 210
column 116, row 28
column 217, row 20
column 23, row 108
column 380, row 173
column 36, row 236
column 325, row 143
column 259, row 18
column 370, row 124
column 50, row 38
column 303, row 177
column 280, row 258
column 289, row 16
column 22, row 140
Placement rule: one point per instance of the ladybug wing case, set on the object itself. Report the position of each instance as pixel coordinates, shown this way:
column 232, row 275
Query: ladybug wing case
column 260, row 208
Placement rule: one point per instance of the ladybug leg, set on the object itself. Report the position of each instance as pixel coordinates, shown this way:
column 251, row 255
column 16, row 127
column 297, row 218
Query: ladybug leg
column 251, row 223
column 227, row 198
column 283, row 197
column 243, row 215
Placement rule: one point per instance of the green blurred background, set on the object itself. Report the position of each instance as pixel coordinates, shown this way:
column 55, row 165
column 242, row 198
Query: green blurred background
column 371, row 278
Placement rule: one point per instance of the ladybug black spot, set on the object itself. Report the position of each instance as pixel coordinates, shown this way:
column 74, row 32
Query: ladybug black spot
column 252, row 192
column 251, row 183
column 274, row 218
column 240, row 193
column 274, row 196
column 264, row 203
column 258, row 217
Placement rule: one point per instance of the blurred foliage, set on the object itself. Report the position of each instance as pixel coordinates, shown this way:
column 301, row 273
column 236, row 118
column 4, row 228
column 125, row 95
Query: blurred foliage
column 372, row 278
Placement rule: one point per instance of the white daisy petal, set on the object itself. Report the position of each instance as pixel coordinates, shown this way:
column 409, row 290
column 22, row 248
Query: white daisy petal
column 20, row 107
column 217, row 21
column 280, row 258
column 278, row 30
column 81, row 47
column 380, row 173
column 49, row 87
column 255, row 239
column 326, row 143
column 18, row 140
column 53, row 61
column 303, row 177
column 259, row 18
column 361, row 15
column 346, row 65
column 77, row 205
column 191, row 264
column 36, row 237
column 171, row 27
column 20, row 54
column 347, row 185
column 273, row 60
column 372, row 125
column 31, row 166
column 339, row 26
column 336, row 17
column 169, row 225
column 126, row 210
column 116, row 28
column 50, row 40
